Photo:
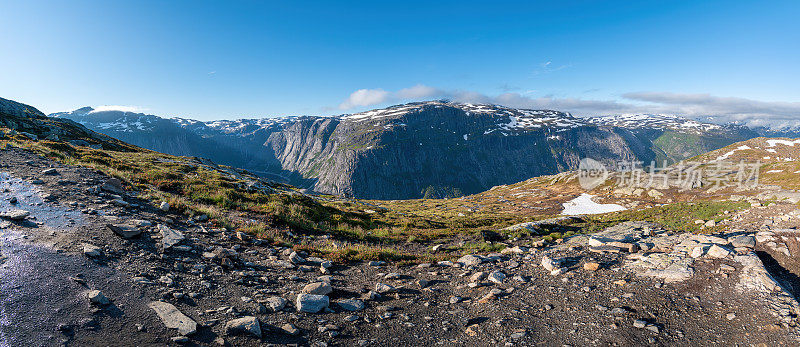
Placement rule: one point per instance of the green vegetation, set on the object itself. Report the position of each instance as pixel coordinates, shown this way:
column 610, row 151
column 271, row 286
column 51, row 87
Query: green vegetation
column 676, row 217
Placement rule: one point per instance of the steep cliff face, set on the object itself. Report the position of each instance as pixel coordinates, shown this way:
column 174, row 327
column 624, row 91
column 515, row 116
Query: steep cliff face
column 433, row 149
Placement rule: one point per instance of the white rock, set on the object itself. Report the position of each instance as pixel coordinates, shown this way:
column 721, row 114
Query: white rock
column 311, row 303
column 164, row 206
column 319, row 288
column 548, row 263
column 15, row 214
column 700, row 250
column 245, row 325
column 716, row 251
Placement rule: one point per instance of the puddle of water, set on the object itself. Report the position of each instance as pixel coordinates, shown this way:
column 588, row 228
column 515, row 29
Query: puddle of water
column 29, row 198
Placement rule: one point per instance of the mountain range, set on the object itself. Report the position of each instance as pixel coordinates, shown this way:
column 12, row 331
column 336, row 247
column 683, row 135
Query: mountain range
column 430, row 149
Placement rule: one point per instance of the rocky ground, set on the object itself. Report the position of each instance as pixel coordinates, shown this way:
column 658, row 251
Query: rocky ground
column 86, row 263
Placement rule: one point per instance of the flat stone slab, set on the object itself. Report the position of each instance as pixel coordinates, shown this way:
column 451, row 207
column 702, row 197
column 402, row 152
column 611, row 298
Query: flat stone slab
column 169, row 237
column 669, row 267
column 15, row 214
column 124, row 230
column 173, row 318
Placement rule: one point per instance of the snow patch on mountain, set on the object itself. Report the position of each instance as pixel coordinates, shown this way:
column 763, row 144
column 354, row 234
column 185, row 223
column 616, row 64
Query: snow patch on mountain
column 652, row 121
column 773, row 143
column 583, row 204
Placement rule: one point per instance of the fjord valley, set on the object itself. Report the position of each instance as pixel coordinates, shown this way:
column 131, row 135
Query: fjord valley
column 427, row 149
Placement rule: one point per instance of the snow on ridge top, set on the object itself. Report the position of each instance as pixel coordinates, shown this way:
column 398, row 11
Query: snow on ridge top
column 469, row 108
column 238, row 124
column 774, row 142
column 382, row 113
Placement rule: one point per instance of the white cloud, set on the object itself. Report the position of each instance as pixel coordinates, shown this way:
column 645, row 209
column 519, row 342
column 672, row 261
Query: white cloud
column 104, row 108
column 371, row 97
column 365, row 97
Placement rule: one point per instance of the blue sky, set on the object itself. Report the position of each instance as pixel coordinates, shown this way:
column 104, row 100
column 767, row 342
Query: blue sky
column 231, row 59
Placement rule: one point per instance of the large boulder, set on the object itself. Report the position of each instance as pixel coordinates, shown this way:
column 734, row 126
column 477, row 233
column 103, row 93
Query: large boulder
column 246, row 325
column 311, row 303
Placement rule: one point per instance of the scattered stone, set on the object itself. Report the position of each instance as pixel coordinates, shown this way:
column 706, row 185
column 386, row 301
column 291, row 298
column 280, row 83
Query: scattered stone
column 639, row 324
column 591, row 266
column 515, row 250
column 423, row 283
column 290, row 329
column 296, row 258
column 699, row 251
column 91, row 250
column 164, row 206
column 746, row 241
column 246, row 325
column 470, row 260
column 96, row 297
column 15, row 214
column 180, row 339
column 477, row 277
column 730, row 316
column 351, row 305
column 169, row 236
column 174, row 319
column 496, row 277
column 276, row 303
column 124, row 230
column 311, row 303
column 383, row 288
column 548, row 263
column 50, row 171
column 113, row 185
column 318, row 288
